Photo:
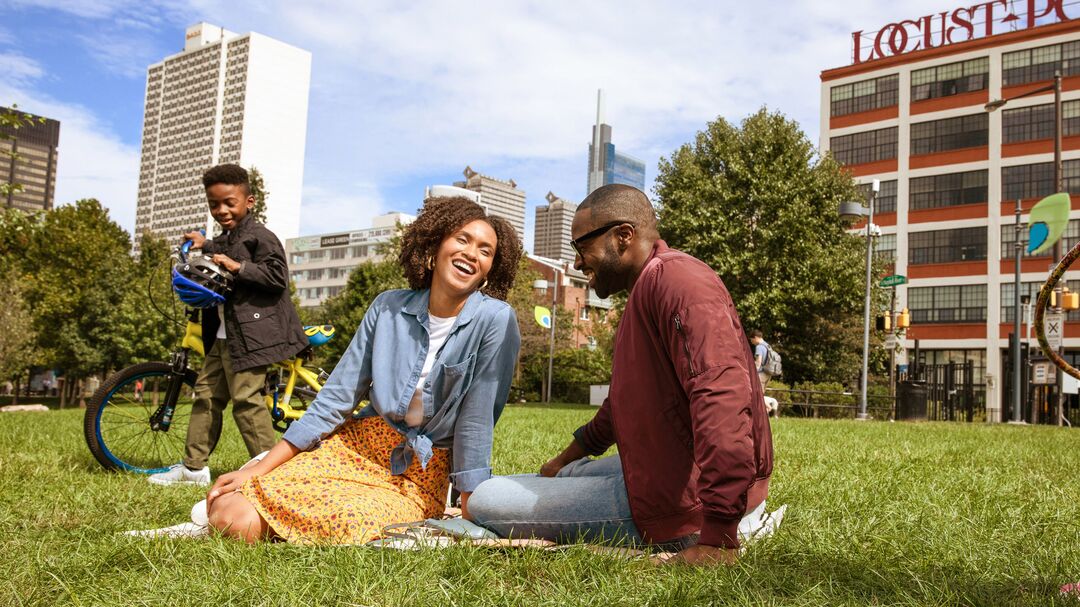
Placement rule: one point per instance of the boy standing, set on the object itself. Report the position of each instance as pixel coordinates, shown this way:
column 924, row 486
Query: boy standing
column 255, row 327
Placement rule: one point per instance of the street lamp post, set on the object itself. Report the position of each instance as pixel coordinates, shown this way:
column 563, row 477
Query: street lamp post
column 853, row 210
column 1058, row 187
column 551, row 340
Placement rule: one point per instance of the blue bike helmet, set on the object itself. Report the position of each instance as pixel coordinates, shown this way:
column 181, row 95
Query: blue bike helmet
column 201, row 283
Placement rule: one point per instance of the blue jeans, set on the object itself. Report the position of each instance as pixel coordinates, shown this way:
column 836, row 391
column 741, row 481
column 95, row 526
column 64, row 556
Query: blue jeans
column 586, row 501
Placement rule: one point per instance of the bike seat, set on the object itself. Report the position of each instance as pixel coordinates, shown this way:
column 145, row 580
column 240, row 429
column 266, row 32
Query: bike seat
column 318, row 335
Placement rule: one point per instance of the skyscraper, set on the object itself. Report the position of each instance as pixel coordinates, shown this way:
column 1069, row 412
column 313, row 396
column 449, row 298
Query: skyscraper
column 33, row 165
column 502, row 198
column 226, row 98
column 606, row 166
column 551, row 233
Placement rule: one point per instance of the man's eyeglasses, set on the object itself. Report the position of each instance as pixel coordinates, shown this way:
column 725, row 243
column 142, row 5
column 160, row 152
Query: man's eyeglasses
column 581, row 240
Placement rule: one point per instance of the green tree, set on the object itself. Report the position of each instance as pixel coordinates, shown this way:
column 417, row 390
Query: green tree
column 347, row 308
column 148, row 319
column 758, row 204
column 259, row 191
column 82, row 271
column 18, row 339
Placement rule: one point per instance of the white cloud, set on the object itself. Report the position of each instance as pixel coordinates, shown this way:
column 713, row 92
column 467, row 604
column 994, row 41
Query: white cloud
column 326, row 210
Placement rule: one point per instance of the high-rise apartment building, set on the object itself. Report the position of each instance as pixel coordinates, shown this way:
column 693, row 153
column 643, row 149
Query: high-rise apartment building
column 607, row 166
column 319, row 265
column 551, row 230
column 501, row 198
column 910, row 111
column 226, row 98
column 33, row 164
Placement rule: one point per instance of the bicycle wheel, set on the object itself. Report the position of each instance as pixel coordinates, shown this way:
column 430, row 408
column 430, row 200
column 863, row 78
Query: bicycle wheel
column 117, row 424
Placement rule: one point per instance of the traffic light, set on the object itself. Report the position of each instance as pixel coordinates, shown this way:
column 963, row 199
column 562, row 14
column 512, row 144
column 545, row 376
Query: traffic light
column 1069, row 300
column 884, row 322
column 903, row 319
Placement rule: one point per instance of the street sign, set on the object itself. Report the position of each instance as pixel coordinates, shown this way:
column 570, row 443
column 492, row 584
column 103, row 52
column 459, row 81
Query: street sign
column 1053, row 323
column 894, row 280
column 1042, row 373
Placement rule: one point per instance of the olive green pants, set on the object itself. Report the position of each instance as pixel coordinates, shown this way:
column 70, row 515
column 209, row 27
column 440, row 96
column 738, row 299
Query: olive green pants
column 216, row 385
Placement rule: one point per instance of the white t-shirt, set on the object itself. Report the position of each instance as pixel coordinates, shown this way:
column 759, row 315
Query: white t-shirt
column 221, row 321
column 438, row 331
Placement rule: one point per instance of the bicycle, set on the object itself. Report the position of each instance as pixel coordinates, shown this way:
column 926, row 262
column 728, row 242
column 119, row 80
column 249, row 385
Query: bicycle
column 137, row 420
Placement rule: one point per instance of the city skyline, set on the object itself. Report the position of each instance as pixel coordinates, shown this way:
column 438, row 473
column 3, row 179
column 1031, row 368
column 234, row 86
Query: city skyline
column 403, row 97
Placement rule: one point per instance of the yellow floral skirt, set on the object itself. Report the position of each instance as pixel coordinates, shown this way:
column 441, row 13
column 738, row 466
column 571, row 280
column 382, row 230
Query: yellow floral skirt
column 342, row 491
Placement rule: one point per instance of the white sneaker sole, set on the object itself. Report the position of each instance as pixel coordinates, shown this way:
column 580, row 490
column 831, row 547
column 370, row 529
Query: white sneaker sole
column 157, row 481
column 188, row 530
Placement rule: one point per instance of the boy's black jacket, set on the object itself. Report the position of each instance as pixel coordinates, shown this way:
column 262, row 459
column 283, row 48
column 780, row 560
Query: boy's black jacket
column 261, row 324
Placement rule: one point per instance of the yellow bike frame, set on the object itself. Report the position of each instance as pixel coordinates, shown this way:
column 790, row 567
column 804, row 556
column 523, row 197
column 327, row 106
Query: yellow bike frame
column 293, row 367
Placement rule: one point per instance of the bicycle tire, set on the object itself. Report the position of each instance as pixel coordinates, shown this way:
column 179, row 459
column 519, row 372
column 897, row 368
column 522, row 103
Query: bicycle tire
column 116, row 424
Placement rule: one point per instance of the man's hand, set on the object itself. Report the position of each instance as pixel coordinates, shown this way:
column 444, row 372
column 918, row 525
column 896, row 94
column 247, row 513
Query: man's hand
column 704, row 555
column 226, row 262
column 571, row 453
column 196, row 238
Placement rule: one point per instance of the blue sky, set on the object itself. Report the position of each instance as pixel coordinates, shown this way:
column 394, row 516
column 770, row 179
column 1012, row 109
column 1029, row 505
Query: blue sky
column 405, row 95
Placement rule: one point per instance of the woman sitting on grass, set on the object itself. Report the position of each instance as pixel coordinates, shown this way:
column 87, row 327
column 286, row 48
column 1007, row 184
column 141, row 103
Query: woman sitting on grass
column 435, row 362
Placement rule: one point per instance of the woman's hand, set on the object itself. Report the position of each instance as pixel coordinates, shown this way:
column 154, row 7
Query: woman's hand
column 229, row 482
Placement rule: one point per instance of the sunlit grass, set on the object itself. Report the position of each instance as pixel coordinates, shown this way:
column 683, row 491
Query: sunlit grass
column 879, row 513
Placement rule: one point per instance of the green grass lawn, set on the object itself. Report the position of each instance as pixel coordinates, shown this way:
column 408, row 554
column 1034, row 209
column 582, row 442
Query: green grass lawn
column 879, row 513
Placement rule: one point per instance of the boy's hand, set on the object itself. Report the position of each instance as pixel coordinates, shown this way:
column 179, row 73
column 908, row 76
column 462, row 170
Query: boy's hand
column 226, row 262
column 196, row 238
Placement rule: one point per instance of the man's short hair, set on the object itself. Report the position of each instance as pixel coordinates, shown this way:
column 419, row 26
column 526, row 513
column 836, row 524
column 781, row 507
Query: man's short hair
column 229, row 174
column 617, row 202
column 756, row 333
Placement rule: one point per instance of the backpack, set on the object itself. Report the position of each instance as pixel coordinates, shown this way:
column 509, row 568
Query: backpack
column 773, row 364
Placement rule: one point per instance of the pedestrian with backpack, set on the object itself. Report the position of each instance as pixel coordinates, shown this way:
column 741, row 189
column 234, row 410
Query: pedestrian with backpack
column 766, row 359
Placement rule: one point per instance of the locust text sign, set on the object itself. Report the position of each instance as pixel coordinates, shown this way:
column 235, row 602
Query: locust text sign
column 958, row 25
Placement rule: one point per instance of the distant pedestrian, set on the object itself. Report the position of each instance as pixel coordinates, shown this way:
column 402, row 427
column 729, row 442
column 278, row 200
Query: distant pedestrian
column 138, row 390
column 761, row 354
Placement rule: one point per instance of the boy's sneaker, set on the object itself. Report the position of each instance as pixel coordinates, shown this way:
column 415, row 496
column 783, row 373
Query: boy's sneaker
column 178, row 474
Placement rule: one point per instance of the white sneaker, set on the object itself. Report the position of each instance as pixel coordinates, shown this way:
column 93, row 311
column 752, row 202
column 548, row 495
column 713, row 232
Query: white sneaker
column 190, row 530
column 178, row 474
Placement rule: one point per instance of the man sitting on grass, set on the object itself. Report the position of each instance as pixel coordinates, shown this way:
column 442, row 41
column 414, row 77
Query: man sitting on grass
column 685, row 408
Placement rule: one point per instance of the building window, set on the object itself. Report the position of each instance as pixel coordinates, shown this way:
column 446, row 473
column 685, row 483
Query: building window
column 337, row 253
column 947, row 190
column 315, row 254
column 956, row 303
column 943, row 246
column 1008, row 301
column 360, row 251
column 1037, row 180
column 296, row 276
column 950, row 79
column 885, row 201
column 1037, row 122
column 859, row 148
column 298, row 258
column 949, row 134
column 864, row 96
column 885, row 248
column 315, row 274
column 1038, row 64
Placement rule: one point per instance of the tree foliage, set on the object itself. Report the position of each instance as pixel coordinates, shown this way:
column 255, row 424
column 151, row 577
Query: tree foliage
column 258, row 189
column 758, row 204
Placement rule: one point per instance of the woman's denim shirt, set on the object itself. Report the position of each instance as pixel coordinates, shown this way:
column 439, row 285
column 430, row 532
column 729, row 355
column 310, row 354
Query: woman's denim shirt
column 463, row 396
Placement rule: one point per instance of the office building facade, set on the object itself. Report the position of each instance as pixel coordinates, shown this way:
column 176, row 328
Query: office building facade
column 909, row 112
column 500, row 198
column 319, row 265
column 551, row 229
column 29, row 155
column 606, row 165
column 226, row 98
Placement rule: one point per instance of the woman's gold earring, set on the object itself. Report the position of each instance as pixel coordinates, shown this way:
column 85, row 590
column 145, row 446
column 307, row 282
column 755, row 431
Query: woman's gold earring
column 484, row 285
column 430, row 263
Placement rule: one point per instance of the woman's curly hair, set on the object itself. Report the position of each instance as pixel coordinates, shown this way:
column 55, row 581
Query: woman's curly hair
column 441, row 217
